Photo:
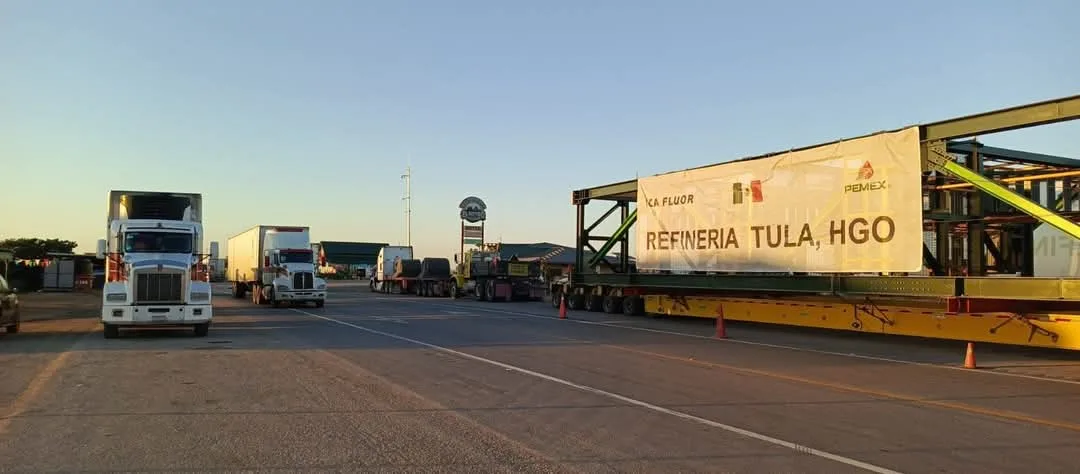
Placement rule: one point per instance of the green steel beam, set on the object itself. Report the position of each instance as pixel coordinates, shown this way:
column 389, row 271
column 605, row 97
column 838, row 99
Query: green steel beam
column 936, row 158
column 969, row 147
column 619, row 234
column 624, row 191
column 1013, row 118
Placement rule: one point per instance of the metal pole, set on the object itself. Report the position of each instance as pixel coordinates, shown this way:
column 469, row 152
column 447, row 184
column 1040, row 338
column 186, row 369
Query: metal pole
column 408, row 205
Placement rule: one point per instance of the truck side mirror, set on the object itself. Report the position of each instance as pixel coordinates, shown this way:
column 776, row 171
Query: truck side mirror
column 101, row 248
column 213, row 250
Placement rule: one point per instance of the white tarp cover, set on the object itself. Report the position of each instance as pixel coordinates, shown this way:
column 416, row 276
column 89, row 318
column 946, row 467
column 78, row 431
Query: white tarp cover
column 848, row 207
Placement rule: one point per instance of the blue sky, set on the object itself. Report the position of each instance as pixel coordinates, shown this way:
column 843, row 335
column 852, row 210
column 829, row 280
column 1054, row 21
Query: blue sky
column 307, row 113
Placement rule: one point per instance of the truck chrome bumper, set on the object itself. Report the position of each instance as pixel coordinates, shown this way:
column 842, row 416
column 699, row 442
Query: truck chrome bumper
column 302, row 295
column 151, row 315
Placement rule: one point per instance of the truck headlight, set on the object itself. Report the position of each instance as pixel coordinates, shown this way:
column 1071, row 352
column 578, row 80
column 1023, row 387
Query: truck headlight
column 200, row 296
column 283, row 288
column 116, row 297
column 322, row 286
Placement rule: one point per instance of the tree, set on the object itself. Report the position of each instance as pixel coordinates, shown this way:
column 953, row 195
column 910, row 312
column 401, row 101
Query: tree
column 27, row 248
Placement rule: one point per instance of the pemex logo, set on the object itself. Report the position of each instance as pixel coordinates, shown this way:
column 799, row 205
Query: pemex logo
column 863, row 181
column 866, row 172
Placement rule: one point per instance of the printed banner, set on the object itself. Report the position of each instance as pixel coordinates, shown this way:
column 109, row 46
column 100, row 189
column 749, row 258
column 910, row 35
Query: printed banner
column 848, row 207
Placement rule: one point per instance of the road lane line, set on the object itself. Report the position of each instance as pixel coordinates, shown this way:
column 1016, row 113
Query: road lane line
column 958, row 406
column 754, row 343
column 632, row 401
column 33, row 390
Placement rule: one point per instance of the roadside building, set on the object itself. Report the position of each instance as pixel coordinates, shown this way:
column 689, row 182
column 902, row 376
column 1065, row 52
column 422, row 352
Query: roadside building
column 348, row 260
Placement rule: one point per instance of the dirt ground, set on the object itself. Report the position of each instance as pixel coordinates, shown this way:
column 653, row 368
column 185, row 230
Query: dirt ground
column 59, row 305
column 53, row 312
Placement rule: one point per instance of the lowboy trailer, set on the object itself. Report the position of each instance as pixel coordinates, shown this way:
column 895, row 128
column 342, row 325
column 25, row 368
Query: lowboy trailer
column 921, row 232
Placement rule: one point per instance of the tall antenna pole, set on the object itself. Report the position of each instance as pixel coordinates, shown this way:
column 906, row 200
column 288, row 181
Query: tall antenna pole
column 408, row 205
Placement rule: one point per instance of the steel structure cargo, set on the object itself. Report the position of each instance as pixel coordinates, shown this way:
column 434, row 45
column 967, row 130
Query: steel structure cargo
column 921, row 231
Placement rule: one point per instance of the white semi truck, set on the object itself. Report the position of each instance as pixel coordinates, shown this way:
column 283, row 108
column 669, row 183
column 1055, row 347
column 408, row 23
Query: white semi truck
column 276, row 264
column 155, row 271
column 382, row 279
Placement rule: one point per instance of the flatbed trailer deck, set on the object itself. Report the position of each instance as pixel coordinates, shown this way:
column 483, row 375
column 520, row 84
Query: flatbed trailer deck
column 984, row 206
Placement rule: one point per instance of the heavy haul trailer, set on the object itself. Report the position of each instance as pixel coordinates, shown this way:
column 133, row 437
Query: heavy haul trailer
column 435, row 277
column 919, row 232
column 387, row 269
column 405, row 278
column 489, row 277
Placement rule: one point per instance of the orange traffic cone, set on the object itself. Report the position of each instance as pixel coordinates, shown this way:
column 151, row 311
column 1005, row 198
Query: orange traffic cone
column 721, row 330
column 969, row 358
column 562, row 306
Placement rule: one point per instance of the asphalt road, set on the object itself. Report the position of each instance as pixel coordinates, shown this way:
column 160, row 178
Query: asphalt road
column 376, row 383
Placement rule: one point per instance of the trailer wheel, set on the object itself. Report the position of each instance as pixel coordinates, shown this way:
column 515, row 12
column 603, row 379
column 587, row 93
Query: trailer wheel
column 594, row 303
column 633, row 306
column 201, row 330
column 482, row 287
column 613, row 304
column 556, row 299
column 576, row 301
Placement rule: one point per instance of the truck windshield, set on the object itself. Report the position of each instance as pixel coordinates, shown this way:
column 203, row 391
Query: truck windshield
column 157, row 242
column 296, row 256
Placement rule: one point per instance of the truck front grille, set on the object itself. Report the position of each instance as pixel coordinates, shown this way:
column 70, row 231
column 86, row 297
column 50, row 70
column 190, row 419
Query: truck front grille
column 159, row 288
column 303, row 281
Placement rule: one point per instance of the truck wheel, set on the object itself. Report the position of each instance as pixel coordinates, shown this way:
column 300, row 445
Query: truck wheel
column 201, row 330
column 556, row 299
column 613, row 304
column 320, row 303
column 594, row 303
column 453, row 290
column 111, row 331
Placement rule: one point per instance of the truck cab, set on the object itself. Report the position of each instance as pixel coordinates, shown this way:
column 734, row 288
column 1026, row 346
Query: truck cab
column 289, row 255
column 156, row 274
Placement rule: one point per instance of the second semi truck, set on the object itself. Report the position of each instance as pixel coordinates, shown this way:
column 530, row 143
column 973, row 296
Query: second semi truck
column 276, row 264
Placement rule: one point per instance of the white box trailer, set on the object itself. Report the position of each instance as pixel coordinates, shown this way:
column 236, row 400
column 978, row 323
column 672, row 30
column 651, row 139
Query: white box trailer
column 276, row 264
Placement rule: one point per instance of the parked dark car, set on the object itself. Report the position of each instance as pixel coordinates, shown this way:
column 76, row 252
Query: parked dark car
column 9, row 307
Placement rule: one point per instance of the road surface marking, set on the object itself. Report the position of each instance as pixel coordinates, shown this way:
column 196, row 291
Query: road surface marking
column 763, row 344
column 659, row 409
column 33, row 390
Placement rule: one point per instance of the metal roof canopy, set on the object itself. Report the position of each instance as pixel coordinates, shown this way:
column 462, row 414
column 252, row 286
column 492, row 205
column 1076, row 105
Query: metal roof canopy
column 1003, row 120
